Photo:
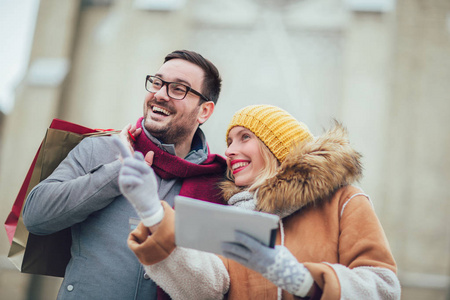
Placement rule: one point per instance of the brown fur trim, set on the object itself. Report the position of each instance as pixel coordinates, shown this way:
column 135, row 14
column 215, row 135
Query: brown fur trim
column 228, row 189
column 311, row 172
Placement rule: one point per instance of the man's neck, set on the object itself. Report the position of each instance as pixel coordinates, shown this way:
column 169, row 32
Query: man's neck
column 183, row 148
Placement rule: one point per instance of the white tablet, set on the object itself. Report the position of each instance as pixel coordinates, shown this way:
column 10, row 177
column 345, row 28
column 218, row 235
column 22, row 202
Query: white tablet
column 204, row 226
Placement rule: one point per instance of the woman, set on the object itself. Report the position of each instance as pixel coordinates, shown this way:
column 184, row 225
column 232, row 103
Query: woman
column 330, row 244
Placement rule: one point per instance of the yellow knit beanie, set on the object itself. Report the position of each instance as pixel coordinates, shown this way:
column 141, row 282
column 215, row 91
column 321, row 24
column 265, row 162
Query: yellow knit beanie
column 275, row 127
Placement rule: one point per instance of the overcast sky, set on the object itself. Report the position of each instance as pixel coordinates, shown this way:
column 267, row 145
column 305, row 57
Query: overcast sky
column 17, row 20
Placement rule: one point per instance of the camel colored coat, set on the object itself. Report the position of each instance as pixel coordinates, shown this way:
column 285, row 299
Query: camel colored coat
column 330, row 227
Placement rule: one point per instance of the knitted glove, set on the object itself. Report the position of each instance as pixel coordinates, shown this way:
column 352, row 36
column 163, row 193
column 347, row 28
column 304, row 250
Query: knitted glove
column 137, row 182
column 276, row 264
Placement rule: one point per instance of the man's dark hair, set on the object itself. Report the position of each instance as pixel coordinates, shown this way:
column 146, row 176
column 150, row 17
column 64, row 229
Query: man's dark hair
column 211, row 81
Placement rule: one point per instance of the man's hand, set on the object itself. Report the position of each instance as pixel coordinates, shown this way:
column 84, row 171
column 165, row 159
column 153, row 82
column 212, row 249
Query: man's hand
column 128, row 135
column 137, row 182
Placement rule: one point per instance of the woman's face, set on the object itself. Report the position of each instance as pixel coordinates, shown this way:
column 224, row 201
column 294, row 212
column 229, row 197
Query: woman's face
column 244, row 156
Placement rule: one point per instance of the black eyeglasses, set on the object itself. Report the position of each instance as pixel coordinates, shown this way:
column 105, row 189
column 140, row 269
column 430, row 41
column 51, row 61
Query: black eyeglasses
column 175, row 90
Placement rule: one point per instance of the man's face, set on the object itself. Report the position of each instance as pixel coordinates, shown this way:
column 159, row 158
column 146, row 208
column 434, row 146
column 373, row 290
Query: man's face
column 170, row 120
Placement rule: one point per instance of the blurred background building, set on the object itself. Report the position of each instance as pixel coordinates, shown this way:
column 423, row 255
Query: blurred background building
column 382, row 67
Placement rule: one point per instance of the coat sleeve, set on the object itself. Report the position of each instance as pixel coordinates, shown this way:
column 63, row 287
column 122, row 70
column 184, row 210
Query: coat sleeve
column 191, row 274
column 182, row 273
column 366, row 268
column 84, row 182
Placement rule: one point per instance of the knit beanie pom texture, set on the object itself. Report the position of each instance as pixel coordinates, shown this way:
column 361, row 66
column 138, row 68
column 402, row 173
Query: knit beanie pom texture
column 275, row 127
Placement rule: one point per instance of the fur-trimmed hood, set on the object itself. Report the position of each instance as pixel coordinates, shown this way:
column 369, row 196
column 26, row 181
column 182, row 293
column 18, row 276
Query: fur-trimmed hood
column 311, row 172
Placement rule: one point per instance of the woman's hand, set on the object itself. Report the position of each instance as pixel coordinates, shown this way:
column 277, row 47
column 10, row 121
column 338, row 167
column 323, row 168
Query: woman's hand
column 138, row 183
column 276, row 264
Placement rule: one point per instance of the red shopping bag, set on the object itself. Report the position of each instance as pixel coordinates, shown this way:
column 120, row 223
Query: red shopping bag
column 49, row 254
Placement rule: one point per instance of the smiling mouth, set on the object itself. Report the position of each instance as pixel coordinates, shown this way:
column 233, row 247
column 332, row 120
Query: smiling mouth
column 160, row 111
column 239, row 166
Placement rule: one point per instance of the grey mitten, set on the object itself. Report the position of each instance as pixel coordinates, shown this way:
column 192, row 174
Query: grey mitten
column 137, row 182
column 276, row 264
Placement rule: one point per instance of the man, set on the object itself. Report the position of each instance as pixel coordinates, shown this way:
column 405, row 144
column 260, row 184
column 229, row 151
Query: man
column 83, row 192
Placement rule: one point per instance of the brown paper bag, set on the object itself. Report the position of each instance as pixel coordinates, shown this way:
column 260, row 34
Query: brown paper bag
column 49, row 254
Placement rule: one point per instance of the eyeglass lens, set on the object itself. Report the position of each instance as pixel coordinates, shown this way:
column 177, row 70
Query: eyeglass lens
column 174, row 90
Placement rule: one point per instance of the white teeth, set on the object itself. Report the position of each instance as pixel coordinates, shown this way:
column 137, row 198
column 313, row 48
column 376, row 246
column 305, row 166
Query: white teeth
column 161, row 110
column 239, row 165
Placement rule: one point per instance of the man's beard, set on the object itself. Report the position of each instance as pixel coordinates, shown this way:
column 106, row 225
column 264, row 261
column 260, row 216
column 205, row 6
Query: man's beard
column 173, row 133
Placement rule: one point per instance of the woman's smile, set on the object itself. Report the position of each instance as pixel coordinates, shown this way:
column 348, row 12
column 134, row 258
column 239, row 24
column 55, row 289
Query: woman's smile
column 238, row 165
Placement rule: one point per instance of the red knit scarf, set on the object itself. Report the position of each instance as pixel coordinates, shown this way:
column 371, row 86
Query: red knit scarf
column 200, row 181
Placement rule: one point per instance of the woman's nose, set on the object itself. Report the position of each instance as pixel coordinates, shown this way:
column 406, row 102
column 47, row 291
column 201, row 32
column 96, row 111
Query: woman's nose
column 230, row 151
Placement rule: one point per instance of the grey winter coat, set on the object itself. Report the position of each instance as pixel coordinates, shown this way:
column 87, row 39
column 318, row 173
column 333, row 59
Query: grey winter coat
column 83, row 193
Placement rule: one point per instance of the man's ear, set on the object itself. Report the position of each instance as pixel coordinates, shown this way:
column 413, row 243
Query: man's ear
column 206, row 110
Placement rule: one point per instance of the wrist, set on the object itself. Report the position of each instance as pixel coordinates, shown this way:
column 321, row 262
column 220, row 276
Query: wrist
column 315, row 293
column 154, row 218
column 305, row 288
column 153, row 228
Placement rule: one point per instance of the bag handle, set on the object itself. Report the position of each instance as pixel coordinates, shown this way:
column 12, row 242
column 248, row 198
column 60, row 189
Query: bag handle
column 103, row 132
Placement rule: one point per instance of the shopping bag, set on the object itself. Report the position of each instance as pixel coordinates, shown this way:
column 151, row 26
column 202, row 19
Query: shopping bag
column 48, row 254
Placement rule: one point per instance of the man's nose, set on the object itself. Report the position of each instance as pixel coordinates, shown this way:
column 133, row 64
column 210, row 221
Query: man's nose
column 163, row 94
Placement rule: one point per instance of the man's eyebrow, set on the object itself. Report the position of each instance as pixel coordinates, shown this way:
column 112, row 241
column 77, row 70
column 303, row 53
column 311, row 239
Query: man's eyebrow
column 177, row 80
